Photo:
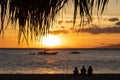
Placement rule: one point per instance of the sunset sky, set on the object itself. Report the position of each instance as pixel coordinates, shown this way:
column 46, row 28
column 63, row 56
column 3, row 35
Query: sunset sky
column 104, row 32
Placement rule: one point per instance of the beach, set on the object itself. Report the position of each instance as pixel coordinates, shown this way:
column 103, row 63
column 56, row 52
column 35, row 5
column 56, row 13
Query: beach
column 58, row 77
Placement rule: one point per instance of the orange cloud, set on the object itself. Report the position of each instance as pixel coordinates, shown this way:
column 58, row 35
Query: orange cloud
column 69, row 21
column 56, row 32
column 111, row 46
column 60, row 22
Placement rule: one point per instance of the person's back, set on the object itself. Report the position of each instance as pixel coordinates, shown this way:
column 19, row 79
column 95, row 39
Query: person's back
column 75, row 72
column 90, row 70
column 83, row 71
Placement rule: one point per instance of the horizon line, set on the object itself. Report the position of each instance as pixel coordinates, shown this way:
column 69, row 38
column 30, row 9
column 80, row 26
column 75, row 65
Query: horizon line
column 64, row 48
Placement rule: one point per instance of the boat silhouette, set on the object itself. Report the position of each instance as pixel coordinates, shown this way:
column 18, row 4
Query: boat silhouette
column 47, row 52
column 32, row 53
column 75, row 52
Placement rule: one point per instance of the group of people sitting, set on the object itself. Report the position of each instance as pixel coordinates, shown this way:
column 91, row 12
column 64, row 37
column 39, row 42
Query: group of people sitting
column 89, row 71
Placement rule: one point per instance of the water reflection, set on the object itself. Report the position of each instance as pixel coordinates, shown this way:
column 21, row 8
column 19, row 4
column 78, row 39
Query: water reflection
column 50, row 61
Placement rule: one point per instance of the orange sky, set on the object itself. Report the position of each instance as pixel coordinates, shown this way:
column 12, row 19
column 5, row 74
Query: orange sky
column 105, row 33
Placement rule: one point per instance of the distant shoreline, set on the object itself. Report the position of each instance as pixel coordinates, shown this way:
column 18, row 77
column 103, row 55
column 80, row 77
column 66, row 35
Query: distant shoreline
column 60, row 48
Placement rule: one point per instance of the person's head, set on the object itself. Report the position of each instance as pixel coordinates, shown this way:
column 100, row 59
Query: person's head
column 90, row 66
column 83, row 67
column 75, row 67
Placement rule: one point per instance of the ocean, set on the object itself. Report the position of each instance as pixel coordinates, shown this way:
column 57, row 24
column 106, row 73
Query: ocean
column 15, row 61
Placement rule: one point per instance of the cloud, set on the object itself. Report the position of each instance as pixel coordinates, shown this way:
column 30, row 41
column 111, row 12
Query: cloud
column 118, row 23
column 69, row 21
column 56, row 32
column 97, row 30
column 111, row 46
column 113, row 19
column 103, row 43
column 62, row 27
column 60, row 22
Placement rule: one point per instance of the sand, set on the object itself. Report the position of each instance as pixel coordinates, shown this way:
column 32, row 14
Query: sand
column 58, row 77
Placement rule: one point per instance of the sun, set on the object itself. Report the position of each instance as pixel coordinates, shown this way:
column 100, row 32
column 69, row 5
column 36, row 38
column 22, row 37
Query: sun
column 50, row 40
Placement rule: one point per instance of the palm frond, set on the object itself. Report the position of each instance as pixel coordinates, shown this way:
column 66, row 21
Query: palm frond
column 86, row 8
column 36, row 16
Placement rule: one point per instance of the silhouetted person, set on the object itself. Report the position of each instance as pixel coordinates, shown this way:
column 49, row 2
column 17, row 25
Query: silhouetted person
column 83, row 71
column 75, row 72
column 90, row 71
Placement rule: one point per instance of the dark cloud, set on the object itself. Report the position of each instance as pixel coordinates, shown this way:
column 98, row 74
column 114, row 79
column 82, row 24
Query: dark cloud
column 118, row 23
column 62, row 27
column 70, row 21
column 60, row 22
column 113, row 19
column 59, row 32
column 97, row 30
column 103, row 43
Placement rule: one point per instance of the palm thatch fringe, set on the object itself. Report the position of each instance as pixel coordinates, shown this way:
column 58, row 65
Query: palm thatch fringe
column 36, row 16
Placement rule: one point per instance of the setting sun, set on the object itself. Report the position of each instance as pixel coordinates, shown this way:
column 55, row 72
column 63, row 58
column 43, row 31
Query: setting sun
column 51, row 40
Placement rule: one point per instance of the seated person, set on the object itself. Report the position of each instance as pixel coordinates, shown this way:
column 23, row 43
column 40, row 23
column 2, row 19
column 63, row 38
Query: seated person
column 75, row 72
column 90, row 70
column 83, row 71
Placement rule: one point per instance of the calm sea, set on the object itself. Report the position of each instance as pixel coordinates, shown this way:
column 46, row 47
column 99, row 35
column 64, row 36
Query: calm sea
column 21, row 62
